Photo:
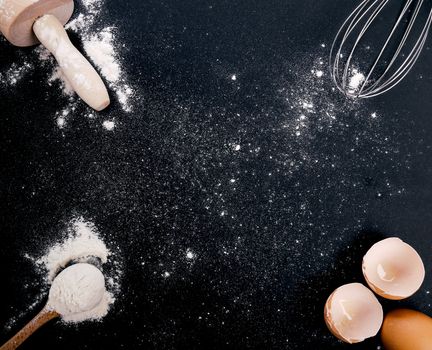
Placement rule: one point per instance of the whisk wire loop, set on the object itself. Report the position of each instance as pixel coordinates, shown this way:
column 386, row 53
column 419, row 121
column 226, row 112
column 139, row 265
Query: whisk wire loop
column 347, row 42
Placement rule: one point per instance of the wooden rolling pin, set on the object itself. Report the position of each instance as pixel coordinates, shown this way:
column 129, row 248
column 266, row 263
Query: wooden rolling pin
column 27, row 22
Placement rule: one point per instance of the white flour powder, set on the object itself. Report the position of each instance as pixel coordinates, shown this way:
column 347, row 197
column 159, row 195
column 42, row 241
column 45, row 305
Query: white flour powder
column 15, row 73
column 101, row 50
column 109, row 125
column 58, row 76
column 81, row 244
column 355, row 81
column 78, row 293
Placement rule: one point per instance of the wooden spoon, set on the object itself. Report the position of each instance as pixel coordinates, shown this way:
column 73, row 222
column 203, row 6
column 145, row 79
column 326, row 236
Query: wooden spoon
column 38, row 321
column 73, row 282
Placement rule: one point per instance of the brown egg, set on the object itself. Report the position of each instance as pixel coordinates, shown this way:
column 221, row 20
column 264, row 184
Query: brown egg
column 405, row 329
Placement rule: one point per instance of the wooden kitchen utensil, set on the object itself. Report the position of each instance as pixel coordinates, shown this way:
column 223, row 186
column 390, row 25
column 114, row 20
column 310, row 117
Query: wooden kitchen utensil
column 77, row 292
column 38, row 321
column 27, row 22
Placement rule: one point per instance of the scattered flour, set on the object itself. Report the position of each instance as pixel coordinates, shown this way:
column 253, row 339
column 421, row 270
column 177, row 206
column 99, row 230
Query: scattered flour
column 109, row 125
column 91, row 10
column 315, row 102
column 83, row 242
column 15, row 73
column 61, row 122
column 63, row 115
column 355, row 81
column 58, row 76
column 101, row 50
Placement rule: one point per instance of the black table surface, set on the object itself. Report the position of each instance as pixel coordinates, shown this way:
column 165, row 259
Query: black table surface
column 275, row 226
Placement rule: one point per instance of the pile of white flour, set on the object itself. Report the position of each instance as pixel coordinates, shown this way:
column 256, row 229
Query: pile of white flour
column 78, row 294
column 79, row 245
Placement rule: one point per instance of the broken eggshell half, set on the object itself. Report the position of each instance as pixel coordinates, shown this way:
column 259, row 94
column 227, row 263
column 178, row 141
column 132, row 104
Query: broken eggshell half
column 353, row 313
column 393, row 269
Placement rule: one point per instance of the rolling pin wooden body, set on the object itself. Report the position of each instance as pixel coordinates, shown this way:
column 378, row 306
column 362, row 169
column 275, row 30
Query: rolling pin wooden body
column 27, row 22
column 18, row 16
column 79, row 72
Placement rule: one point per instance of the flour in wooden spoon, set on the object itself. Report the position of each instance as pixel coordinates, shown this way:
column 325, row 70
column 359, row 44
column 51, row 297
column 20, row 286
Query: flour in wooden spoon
column 81, row 244
column 78, row 293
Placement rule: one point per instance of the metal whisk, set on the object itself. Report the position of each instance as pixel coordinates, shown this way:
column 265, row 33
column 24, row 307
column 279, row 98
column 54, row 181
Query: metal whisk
column 402, row 45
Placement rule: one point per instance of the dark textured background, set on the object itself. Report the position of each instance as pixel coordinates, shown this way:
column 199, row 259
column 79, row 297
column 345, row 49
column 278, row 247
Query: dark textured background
column 269, row 247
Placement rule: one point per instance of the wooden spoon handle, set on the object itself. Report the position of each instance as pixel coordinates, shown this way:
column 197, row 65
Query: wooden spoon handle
column 79, row 72
column 39, row 320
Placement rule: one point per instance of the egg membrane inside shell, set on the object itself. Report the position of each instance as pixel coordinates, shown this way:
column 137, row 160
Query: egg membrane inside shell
column 393, row 269
column 353, row 313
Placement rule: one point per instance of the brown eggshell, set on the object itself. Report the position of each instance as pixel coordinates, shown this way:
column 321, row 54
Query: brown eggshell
column 352, row 313
column 405, row 329
column 393, row 269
